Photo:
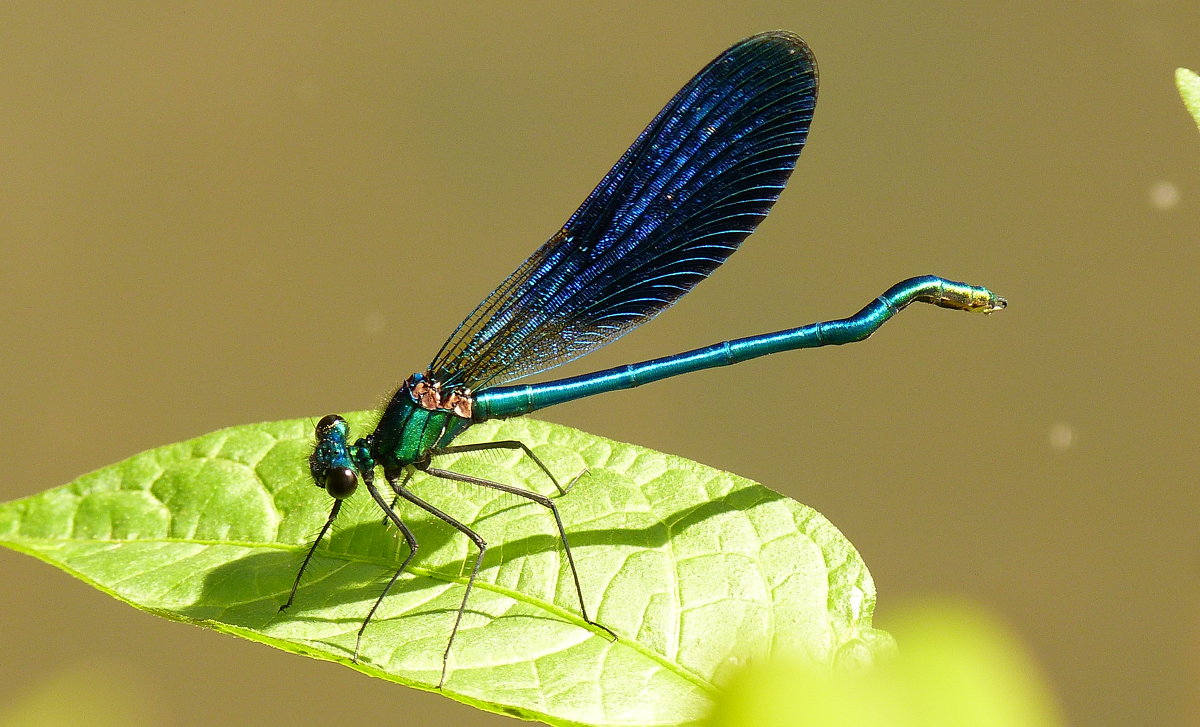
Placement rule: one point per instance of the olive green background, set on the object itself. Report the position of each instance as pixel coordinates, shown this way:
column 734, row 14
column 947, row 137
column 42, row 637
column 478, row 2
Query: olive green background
column 213, row 214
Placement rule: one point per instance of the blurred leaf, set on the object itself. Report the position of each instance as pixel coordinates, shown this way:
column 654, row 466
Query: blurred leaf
column 1188, row 84
column 698, row 571
column 955, row 667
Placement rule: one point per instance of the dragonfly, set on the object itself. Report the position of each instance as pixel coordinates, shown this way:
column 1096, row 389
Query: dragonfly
column 694, row 184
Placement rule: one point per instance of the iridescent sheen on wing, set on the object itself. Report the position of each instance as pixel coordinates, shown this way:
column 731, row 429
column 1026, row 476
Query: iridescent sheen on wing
column 692, row 186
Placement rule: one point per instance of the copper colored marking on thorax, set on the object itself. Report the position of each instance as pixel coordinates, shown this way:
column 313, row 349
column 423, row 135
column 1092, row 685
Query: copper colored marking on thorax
column 428, row 395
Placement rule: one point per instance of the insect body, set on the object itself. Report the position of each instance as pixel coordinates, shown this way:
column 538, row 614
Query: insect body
column 692, row 186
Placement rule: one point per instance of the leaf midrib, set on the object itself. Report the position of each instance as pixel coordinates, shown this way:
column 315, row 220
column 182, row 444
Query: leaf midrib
column 519, row 596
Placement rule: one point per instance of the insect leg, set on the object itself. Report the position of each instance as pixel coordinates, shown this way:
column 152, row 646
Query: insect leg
column 509, row 444
column 333, row 513
column 369, row 481
column 545, row 502
column 408, row 473
column 480, row 543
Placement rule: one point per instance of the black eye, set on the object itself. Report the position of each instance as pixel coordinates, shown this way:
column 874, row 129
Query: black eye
column 327, row 422
column 340, row 482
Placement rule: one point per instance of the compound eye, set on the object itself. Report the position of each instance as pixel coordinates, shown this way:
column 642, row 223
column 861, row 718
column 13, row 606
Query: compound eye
column 328, row 422
column 340, row 482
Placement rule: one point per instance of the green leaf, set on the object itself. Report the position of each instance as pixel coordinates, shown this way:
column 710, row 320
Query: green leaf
column 698, row 571
column 956, row 666
column 1188, row 84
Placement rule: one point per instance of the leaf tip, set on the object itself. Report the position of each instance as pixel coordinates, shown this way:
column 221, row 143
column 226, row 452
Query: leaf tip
column 1188, row 83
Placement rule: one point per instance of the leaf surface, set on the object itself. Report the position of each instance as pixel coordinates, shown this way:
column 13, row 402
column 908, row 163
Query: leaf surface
column 698, row 571
column 1188, row 84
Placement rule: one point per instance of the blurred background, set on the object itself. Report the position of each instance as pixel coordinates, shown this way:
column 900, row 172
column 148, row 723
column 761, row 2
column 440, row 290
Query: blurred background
column 215, row 214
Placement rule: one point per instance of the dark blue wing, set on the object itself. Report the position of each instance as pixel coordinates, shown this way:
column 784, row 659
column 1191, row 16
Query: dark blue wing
column 696, row 182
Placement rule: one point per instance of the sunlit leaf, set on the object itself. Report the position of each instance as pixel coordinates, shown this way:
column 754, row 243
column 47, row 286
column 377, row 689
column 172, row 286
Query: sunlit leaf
column 954, row 666
column 1188, row 84
column 698, row 571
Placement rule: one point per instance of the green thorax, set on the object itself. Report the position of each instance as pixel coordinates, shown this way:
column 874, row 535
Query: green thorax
column 418, row 420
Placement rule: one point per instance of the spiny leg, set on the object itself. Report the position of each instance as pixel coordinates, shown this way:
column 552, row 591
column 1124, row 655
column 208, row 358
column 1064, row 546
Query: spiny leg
column 545, row 502
column 390, row 515
column 507, row 444
column 333, row 513
column 408, row 473
column 480, row 543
